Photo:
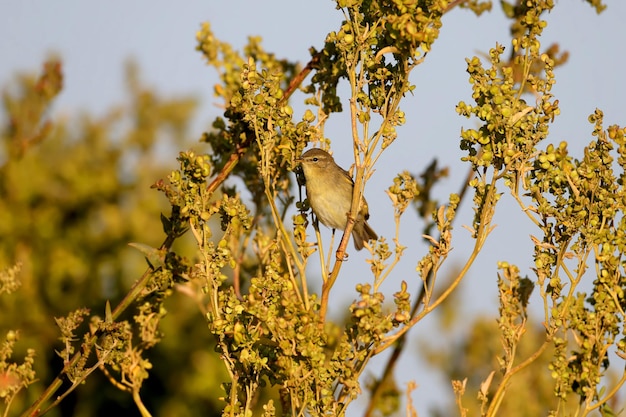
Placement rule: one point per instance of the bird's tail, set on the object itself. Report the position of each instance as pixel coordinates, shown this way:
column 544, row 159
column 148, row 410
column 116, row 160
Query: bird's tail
column 362, row 233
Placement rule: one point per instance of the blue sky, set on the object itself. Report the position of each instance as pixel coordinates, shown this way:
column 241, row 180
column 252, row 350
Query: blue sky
column 94, row 39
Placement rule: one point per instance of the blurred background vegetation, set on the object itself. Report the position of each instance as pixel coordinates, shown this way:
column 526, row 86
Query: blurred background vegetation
column 73, row 193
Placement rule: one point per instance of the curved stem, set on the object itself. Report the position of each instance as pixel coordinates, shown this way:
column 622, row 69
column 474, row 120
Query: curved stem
column 499, row 394
column 609, row 395
column 142, row 408
column 401, row 342
column 481, row 235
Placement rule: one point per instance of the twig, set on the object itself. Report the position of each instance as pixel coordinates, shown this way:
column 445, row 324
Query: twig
column 499, row 394
column 401, row 342
column 297, row 80
column 453, row 4
column 75, row 384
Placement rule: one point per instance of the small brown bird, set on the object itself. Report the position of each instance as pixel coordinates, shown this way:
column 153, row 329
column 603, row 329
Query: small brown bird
column 329, row 190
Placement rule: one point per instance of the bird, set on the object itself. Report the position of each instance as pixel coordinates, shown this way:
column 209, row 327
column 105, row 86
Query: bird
column 329, row 191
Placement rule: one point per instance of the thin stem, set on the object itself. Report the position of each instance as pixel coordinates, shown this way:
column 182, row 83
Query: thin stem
column 320, row 247
column 330, row 249
column 289, row 249
column 609, row 395
column 483, row 231
column 499, row 394
column 75, row 385
column 453, row 4
column 142, row 408
column 400, row 344
column 378, row 281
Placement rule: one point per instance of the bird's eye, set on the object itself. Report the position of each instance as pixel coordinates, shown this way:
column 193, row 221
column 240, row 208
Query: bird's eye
column 314, row 159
